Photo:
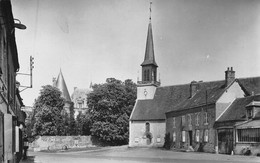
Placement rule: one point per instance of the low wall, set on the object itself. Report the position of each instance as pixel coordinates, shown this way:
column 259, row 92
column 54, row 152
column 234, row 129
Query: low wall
column 60, row 142
column 240, row 148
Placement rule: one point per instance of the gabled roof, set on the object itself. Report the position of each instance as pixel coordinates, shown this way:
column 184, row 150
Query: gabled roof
column 251, row 86
column 80, row 93
column 61, row 85
column 164, row 98
column 177, row 98
column 207, row 93
column 237, row 110
column 149, row 51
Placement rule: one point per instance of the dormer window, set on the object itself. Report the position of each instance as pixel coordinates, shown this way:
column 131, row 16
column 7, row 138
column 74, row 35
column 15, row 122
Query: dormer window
column 250, row 113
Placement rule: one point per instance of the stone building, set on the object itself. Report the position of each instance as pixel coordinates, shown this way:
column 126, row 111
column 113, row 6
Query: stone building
column 191, row 122
column 147, row 128
column 11, row 116
column 188, row 112
column 79, row 98
column 238, row 129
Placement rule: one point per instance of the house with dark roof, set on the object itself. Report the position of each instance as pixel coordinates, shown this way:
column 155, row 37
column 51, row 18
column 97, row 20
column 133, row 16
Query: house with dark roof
column 191, row 122
column 187, row 112
column 238, row 129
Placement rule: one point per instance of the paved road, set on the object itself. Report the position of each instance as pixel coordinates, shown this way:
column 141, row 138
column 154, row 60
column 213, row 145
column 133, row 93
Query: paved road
column 135, row 155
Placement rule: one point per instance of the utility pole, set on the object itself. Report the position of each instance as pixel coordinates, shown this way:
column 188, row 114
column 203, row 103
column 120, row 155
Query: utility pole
column 30, row 74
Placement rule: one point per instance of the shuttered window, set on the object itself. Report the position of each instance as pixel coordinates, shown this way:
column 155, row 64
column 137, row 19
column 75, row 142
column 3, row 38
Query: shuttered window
column 183, row 136
column 197, row 135
column 174, row 136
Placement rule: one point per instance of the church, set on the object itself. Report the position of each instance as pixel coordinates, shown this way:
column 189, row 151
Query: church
column 187, row 113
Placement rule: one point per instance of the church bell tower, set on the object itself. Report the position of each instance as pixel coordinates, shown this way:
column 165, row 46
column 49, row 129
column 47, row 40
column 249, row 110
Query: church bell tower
column 147, row 86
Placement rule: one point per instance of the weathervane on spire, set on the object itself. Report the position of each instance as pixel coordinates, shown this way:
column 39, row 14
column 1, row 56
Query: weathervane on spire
column 150, row 11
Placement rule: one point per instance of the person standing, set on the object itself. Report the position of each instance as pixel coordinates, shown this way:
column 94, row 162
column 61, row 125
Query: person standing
column 25, row 146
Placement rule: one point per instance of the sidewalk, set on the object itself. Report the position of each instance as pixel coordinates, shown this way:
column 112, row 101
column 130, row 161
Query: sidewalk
column 30, row 159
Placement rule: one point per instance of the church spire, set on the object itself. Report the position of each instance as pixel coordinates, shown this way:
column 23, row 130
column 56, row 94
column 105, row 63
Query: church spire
column 149, row 66
column 149, row 58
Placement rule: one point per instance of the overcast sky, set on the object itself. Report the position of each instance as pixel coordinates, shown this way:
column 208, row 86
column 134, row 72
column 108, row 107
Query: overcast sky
column 91, row 40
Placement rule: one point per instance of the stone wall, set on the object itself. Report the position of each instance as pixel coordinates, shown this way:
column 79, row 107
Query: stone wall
column 190, row 126
column 60, row 142
column 240, row 148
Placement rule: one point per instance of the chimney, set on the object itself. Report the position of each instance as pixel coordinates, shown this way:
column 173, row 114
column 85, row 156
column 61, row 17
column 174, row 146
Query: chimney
column 193, row 88
column 229, row 76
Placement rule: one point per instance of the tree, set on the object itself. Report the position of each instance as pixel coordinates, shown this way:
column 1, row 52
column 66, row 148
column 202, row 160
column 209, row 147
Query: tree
column 83, row 124
column 47, row 119
column 110, row 106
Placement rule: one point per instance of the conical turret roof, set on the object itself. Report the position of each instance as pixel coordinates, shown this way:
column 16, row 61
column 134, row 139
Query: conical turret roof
column 149, row 51
column 61, row 85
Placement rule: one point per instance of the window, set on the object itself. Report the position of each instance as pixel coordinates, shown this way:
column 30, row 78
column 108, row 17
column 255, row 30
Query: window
column 147, row 127
column 147, row 75
column 174, row 136
column 183, row 136
column 197, row 135
column 173, row 122
column 189, row 120
column 250, row 113
column 144, row 75
column 197, row 119
column 183, row 120
column 248, row 135
column 206, row 118
column 206, row 135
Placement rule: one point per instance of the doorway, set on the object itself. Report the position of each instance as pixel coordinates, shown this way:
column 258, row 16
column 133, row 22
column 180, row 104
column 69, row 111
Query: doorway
column 190, row 137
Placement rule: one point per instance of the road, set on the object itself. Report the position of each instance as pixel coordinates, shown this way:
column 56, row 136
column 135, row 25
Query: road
column 135, row 155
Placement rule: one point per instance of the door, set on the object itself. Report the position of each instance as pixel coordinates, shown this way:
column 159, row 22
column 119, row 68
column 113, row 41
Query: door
column 225, row 141
column 190, row 137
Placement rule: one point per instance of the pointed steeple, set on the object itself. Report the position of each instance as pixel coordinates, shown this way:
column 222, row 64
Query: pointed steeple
column 149, row 66
column 61, row 85
column 149, row 58
column 149, row 51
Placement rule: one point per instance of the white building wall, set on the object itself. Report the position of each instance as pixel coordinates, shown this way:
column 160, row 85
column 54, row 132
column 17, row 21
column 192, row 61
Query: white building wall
column 233, row 92
column 146, row 92
column 137, row 133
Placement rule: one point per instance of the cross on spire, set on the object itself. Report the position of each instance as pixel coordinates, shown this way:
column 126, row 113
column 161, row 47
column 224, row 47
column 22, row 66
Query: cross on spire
column 150, row 11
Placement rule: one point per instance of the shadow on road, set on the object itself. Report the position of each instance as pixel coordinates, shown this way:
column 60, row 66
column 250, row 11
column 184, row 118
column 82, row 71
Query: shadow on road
column 30, row 159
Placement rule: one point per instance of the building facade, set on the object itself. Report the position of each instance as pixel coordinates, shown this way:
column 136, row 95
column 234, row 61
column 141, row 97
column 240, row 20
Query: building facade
column 238, row 129
column 192, row 123
column 79, row 98
column 144, row 129
column 11, row 116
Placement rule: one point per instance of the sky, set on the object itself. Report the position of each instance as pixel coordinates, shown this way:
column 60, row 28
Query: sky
column 91, row 40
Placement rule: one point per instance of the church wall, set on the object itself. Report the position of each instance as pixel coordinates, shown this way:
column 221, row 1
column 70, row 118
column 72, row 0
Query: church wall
column 145, row 92
column 138, row 137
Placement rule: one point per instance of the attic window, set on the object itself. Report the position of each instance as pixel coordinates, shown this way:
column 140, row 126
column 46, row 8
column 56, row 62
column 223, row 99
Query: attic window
column 250, row 113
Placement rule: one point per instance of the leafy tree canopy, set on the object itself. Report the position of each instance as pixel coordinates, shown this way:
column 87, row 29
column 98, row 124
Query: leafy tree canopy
column 110, row 105
column 47, row 119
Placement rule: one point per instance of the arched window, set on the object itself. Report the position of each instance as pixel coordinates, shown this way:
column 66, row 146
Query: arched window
column 147, row 127
column 148, row 76
column 144, row 75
